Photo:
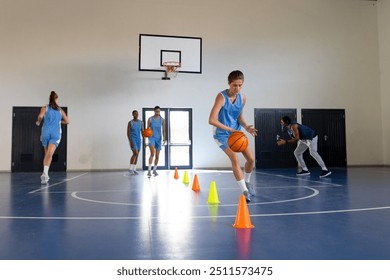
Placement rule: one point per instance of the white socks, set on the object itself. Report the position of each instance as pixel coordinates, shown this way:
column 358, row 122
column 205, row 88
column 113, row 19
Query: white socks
column 242, row 185
column 247, row 176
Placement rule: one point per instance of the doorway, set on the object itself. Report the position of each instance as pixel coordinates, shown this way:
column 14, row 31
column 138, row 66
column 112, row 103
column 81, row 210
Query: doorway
column 27, row 150
column 330, row 127
column 267, row 153
column 177, row 152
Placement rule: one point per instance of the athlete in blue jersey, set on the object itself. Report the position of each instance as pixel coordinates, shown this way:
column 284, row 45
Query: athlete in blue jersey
column 226, row 117
column 53, row 116
column 134, row 133
column 157, row 124
column 306, row 138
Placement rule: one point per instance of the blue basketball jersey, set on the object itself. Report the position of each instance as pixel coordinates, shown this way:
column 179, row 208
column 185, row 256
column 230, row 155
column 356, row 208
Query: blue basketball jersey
column 156, row 126
column 52, row 120
column 305, row 132
column 135, row 131
column 228, row 115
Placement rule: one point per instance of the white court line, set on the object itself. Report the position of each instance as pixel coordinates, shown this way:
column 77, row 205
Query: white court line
column 315, row 193
column 204, row 216
column 199, row 217
column 299, row 179
column 55, row 184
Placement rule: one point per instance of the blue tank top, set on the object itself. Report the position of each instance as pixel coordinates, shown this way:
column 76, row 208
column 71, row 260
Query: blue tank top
column 229, row 113
column 305, row 132
column 135, row 131
column 156, row 126
column 52, row 120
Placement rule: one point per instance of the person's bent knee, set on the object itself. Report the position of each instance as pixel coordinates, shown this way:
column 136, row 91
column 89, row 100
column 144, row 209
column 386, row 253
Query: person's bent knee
column 298, row 154
column 251, row 161
column 233, row 157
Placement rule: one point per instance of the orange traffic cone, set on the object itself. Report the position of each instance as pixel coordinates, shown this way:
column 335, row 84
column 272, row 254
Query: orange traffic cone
column 243, row 220
column 176, row 176
column 195, row 184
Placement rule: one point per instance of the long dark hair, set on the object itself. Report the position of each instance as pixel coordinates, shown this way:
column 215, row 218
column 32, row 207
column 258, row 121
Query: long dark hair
column 52, row 100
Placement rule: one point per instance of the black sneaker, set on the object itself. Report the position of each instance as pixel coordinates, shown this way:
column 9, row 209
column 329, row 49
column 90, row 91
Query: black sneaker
column 303, row 173
column 247, row 196
column 250, row 188
column 325, row 173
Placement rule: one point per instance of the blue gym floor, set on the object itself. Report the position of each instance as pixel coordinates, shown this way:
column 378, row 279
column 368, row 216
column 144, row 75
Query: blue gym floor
column 115, row 215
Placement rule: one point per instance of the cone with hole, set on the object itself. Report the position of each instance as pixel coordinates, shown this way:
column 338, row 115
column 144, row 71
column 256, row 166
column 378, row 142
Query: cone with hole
column 186, row 181
column 213, row 194
column 176, row 175
column 195, row 184
column 243, row 219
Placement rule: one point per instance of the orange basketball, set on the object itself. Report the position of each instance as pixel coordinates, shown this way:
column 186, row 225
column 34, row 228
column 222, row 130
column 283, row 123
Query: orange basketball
column 237, row 141
column 148, row 132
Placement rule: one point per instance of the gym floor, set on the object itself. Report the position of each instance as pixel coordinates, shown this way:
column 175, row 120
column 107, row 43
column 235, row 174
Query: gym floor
column 115, row 215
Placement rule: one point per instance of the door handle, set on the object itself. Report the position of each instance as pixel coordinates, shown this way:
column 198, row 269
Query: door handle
column 325, row 137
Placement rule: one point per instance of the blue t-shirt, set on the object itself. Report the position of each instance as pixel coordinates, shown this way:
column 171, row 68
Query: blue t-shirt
column 305, row 132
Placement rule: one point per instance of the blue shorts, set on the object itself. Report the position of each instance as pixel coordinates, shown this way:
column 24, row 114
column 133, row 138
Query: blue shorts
column 156, row 143
column 136, row 143
column 222, row 141
column 50, row 138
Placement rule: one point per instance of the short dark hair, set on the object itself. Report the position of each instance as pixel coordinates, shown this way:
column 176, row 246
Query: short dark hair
column 286, row 119
column 235, row 75
column 157, row 107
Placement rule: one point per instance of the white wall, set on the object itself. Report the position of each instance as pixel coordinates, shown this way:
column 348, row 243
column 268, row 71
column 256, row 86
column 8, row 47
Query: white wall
column 384, row 47
column 294, row 53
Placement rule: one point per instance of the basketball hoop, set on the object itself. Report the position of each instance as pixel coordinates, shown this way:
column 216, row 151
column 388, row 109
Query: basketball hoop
column 171, row 69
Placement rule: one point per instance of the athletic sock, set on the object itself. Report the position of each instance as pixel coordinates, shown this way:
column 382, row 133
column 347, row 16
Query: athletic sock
column 155, row 168
column 247, row 176
column 242, row 185
column 46, row 170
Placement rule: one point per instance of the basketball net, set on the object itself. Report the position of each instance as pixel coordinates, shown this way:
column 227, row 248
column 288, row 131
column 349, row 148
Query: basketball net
column 171, row 69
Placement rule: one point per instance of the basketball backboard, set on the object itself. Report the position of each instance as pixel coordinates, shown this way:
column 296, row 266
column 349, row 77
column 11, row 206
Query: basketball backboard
column 154, row 50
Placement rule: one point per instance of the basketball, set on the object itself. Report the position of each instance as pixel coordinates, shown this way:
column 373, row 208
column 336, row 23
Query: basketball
column 148, row 132
column 237, row 141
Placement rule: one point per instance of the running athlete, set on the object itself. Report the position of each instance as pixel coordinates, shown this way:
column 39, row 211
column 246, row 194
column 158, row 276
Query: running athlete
column 306, row 138
column 134, row 132
column 226, row 117
column 53, row 116
column 157, row 124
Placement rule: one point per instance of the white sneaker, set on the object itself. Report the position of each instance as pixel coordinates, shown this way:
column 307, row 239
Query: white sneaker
column 44, row 178
column 135, row 172
column 131, row 172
